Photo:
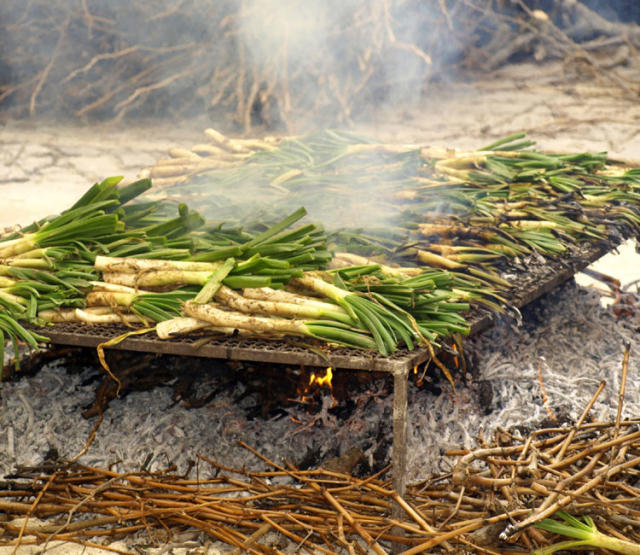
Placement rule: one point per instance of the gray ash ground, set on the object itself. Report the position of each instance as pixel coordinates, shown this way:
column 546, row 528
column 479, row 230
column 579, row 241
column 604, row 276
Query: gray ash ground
column 567, row 337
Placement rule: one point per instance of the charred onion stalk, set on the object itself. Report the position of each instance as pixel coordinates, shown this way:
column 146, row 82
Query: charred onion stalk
column 326, row 330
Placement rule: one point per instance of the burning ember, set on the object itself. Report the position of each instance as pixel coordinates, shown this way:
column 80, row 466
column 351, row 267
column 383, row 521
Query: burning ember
column 322, row 380
column 317, row 384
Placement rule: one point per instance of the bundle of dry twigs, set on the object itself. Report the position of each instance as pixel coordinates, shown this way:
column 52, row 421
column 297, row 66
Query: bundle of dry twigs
column 253, row 64
column 487, row 504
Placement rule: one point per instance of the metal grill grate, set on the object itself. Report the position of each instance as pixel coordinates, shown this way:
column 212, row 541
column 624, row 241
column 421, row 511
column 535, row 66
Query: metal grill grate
column 293, row 351
column 533, row 278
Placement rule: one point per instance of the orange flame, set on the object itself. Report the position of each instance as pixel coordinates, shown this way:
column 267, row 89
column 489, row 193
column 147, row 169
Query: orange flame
column 315, row 383
column 456, row 360
column 322, row 380
column 420, row 379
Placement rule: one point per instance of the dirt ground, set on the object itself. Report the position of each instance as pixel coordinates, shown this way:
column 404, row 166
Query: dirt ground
column 45, row 166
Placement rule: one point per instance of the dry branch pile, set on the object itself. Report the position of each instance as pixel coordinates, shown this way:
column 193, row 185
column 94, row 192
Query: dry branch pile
column 258, row 64
column 488, row 504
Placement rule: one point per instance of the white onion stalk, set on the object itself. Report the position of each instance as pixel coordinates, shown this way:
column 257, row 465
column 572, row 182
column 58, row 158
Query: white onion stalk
column 110, row 298
column 34, row 253
column 94, row 314
column 112, row 264
column 11, row 304
column 11, row 298
column 179, row 326
column 319, row 311
column 185, row 325
column 157, row 278
column 343, row 259
column 6, row 281
column 332, row 332
column 69, row 314
column 281, row 296
column 262, row 324
column 109, row 318
column 14, row 247
column 116, row 288
column 24, row 262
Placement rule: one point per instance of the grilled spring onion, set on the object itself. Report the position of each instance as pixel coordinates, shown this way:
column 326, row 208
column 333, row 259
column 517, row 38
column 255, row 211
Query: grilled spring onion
column 184, row 325
column 81, row 224
column 47, row 260
column 127, row 265
column 306, row 311
column 429, row 301
column 91, row 315
column 11, row 329
column 333, row 332
column 154, row 306
column 280, row 295
column 388, row 327
column 91, row 218
column 172, row 279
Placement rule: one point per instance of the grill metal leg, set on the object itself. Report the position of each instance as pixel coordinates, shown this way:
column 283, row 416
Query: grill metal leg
column 399, row 450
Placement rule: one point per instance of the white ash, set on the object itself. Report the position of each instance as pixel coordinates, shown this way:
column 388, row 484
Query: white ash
column 576, row 342
column 569, row 340
column 144, row 430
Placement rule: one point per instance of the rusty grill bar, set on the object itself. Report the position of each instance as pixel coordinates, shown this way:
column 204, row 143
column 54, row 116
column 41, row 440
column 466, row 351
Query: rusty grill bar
column 534, row 280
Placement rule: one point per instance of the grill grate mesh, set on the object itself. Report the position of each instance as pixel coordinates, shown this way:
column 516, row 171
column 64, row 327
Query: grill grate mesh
column 533, row 278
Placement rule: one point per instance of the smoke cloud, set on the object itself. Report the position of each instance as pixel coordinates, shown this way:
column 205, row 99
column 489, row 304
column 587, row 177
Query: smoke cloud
column 255, row 65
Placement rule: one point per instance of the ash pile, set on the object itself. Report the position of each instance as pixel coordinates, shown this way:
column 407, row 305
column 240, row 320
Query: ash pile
column 568, row 352
column 171, row 409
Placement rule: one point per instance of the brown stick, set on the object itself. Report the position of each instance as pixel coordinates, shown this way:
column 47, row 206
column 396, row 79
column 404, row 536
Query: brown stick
column 356, row 526
column 575, row 428
column 33, row 508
